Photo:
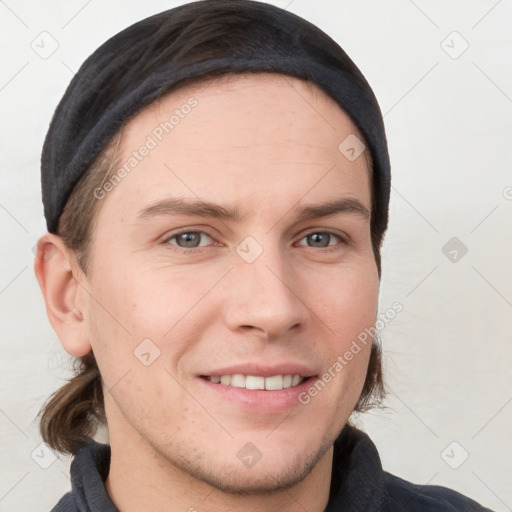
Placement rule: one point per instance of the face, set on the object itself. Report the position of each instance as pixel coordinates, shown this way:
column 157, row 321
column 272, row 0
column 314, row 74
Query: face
column 235, row 248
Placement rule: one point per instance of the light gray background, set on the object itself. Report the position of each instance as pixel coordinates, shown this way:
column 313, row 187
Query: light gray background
column 448, row 118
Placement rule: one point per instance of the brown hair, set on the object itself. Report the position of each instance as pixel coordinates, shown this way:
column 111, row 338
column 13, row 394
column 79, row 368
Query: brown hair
column 75, row 411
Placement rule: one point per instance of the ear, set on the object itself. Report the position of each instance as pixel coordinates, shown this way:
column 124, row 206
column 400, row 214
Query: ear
column 60, row 279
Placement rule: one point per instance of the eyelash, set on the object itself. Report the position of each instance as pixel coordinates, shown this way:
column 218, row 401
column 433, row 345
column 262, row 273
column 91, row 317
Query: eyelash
column 328, row 248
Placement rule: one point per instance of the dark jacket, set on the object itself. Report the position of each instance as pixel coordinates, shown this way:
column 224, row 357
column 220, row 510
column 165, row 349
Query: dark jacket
column 358, row 483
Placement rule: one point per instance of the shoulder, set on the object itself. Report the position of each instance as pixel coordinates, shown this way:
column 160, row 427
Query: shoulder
column 89, row 470
column 65, row 504
column 400, row 494
column 358, row 482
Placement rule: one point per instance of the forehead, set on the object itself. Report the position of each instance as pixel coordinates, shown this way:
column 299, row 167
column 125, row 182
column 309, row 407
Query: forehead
column 250, row 134
column 283, row 93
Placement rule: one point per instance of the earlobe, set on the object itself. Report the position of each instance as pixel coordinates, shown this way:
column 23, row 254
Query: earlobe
column 59, row 277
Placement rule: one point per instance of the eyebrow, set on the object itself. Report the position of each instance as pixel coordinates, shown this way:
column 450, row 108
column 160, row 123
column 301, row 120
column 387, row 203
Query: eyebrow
column 201, row 208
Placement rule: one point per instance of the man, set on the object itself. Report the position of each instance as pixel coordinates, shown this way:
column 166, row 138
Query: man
column 216, row 185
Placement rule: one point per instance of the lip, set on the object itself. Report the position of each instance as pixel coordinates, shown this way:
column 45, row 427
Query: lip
column 259, row 401
column 263, row 370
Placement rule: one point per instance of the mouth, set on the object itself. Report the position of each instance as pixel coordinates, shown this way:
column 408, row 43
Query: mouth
column 257, row 387
column 257, row 382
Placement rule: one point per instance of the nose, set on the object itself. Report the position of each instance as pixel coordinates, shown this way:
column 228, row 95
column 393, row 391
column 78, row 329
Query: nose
column 264, row 296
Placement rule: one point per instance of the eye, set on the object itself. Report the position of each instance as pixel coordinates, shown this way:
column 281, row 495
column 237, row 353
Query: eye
column 321, row 239
column 188, row 239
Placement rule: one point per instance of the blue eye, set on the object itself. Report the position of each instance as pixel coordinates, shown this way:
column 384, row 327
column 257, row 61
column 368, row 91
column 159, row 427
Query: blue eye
column 188, row 239
column 321, row 239
column 196, row 239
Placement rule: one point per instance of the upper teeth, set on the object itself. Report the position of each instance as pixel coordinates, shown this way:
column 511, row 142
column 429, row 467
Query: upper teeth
column 273, row 383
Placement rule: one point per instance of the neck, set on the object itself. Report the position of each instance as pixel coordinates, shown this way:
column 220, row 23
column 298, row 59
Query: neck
column 142, row 479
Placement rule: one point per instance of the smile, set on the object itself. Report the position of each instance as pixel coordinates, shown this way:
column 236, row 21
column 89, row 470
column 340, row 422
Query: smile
column 271, row 383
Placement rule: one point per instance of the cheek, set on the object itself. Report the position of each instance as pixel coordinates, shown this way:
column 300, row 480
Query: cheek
column 349, row 349
column 348, row 310
column 163, row 303
column 128, row 307
column 348, row 304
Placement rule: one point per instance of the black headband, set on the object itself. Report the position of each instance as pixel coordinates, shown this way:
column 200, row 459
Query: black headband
column 149, row 59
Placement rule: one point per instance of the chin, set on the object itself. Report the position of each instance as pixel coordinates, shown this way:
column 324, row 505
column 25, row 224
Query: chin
column 270, row 474
column 265, row 479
